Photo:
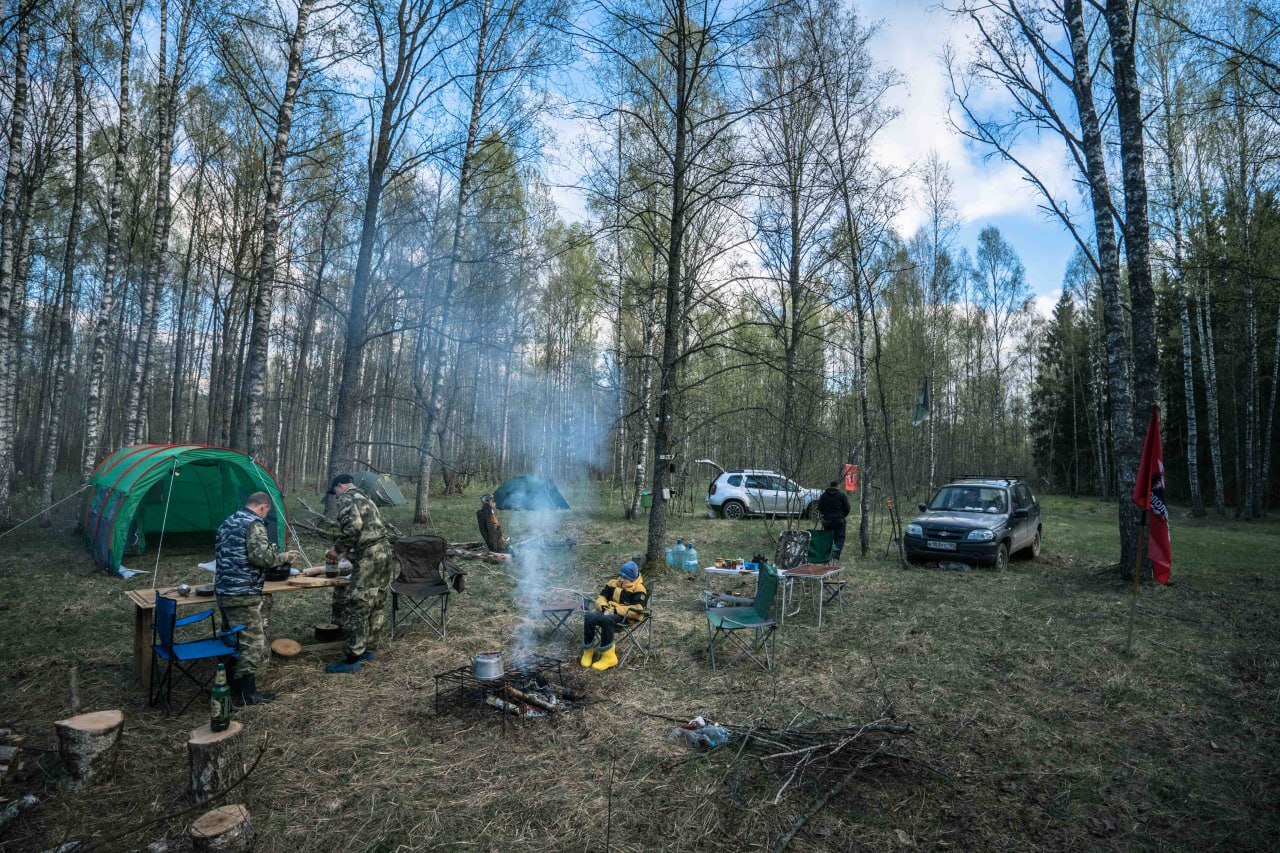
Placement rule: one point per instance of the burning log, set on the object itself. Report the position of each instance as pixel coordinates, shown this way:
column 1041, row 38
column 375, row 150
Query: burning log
column 501, row 705
column 531, row 699
column 566, row 693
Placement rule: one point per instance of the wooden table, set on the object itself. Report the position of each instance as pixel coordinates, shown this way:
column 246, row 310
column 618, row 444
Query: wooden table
column 144, row 613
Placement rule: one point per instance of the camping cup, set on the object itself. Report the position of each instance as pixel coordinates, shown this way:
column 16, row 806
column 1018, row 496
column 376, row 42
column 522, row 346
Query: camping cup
column 184, row 590
column 330, row 570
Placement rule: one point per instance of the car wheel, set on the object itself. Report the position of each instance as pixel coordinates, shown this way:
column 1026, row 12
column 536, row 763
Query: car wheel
column 733, row 510
column 1002, row 557
column 1034, row 550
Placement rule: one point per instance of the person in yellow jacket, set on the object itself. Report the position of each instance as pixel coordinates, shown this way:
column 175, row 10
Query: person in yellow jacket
column 623, row 599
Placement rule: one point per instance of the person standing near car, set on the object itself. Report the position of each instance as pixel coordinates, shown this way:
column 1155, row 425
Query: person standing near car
column 833, row 509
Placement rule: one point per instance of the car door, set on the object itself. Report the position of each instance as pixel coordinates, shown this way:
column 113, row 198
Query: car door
column 1033, row 513
column 1019, row 502
column 759, row 491
column 788, row 496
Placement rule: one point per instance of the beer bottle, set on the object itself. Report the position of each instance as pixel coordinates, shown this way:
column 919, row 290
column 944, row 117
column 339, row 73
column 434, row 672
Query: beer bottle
column 220, row 701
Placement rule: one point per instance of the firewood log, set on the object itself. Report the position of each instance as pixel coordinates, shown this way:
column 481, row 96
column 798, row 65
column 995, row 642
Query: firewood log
column 529, row 698
column 222, row 830
column 215, row 760
column 88, row 745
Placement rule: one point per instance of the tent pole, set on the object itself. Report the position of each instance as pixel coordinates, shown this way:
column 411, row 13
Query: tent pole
column 173, row 472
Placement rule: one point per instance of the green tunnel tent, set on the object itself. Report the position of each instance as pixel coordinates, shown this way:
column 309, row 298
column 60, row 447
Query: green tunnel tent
column 170, row 488
column 380, row 488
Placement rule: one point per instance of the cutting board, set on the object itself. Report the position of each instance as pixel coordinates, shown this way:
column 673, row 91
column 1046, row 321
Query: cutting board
column 302, row 580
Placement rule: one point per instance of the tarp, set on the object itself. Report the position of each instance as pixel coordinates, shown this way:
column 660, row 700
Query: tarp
column 531, row 493
column 380, row 488
column 170, row 488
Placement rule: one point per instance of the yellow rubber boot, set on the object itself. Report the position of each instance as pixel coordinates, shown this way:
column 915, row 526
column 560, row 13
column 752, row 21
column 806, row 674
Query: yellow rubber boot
column 587, row 653
column 608, row 659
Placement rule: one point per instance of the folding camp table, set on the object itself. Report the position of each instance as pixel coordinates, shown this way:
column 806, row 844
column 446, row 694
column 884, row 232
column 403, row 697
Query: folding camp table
column 144, row 612
column 824, row 574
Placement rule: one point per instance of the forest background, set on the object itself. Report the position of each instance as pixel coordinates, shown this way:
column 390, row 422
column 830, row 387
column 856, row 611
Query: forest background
column 328, row 235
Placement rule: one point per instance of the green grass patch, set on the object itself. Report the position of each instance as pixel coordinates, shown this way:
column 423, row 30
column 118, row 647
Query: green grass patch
column 1033, row 729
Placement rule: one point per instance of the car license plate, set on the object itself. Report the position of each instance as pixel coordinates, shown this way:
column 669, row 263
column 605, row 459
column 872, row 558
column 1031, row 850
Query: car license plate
column 942, row 546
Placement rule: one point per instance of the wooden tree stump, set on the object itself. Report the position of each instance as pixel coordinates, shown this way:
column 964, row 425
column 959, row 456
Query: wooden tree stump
column 88, row 746
column 224, row 829
column 215, row 760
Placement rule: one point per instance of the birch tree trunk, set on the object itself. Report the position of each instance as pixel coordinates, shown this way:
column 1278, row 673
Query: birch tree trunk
column 1209, row 368
column 1119, row 389
column 264, row 294
column 9, row 250
column 57, row 395
column 138, row 398
column 107, row 302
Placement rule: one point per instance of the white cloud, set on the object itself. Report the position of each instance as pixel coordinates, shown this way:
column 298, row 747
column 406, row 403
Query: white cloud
column 912, row 38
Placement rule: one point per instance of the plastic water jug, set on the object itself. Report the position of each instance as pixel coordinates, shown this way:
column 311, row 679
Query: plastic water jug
column 677, row 554
column 671, row 559
column 691, row 558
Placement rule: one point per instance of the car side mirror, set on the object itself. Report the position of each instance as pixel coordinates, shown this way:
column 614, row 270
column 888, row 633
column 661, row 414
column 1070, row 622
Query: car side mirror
column 923, row 507
column 1020, row 513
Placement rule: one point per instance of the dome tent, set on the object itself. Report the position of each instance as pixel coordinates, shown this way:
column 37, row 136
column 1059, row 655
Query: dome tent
column 173, row 488
column 529, row 493
column 380, row 488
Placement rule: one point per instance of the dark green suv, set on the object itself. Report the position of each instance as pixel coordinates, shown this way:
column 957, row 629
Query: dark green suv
column 976, row 520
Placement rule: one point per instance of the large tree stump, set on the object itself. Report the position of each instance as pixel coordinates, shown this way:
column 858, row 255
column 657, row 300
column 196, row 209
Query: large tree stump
column 215, row 760
column 224, row 829
column 88, row 745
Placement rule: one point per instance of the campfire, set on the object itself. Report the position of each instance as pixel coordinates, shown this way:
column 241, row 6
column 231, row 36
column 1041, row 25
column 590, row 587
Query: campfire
column 532, row 687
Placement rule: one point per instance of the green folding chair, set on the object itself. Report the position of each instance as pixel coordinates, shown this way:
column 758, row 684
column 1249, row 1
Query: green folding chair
column 821, row 544
column 730, row 625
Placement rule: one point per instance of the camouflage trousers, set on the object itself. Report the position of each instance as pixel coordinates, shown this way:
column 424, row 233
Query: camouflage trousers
column 246, row 610
column 365, row 611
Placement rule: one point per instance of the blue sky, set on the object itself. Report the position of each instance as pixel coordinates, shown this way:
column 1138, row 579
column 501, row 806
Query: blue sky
column 911, row 39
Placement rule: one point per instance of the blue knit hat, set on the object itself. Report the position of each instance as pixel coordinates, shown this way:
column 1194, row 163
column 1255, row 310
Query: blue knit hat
column 629, row 571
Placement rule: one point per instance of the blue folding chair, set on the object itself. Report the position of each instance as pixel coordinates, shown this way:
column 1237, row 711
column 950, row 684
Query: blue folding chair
column 184, row 656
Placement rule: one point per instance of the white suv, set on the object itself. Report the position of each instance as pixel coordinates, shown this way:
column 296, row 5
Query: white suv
column 737, row 494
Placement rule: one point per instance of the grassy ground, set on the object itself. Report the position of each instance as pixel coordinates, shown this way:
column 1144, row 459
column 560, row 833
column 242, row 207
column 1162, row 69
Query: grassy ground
column 1033, row 730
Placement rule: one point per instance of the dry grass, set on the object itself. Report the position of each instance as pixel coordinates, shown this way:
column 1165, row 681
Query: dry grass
column 1039, row 733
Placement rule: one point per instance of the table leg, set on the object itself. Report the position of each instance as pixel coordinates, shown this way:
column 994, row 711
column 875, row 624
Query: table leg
column 819, row 602
column 143, row 619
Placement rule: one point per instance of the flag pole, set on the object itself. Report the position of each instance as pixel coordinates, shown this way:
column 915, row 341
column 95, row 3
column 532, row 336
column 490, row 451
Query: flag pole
column 1137, row 571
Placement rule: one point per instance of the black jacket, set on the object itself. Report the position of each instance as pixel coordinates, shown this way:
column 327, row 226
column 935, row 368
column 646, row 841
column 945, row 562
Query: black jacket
column 833, row 505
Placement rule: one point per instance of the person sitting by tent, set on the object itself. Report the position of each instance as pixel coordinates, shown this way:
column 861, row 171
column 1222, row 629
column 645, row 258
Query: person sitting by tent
column 243, row 554
column 623, row 599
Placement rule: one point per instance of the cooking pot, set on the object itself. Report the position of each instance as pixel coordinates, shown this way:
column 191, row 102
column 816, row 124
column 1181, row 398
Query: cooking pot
column 487, row 666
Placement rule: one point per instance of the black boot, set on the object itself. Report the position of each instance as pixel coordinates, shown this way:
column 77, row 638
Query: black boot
column 246, row 693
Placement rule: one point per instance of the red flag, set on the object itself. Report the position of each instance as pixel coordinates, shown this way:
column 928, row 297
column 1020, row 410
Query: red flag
column 1148, row 493
column 851, row 478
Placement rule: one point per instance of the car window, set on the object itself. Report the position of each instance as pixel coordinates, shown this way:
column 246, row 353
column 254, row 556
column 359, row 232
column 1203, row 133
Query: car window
column 735, row 480
column 970, row 499
column 763, row 484
column 789, row 486
column 1028, row 499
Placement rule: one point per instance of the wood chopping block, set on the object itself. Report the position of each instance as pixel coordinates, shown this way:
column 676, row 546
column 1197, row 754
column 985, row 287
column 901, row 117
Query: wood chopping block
column 286, row 648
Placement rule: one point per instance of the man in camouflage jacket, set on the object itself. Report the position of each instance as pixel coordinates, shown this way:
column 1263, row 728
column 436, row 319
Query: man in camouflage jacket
column 364, row 538
column 243, row 554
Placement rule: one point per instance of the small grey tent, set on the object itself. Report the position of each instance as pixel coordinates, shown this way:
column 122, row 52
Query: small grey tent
column 529, row 493
column 380, row 488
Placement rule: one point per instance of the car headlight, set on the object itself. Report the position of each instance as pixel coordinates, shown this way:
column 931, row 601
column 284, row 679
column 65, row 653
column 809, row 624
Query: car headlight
column 915, row 530
column 981, row 535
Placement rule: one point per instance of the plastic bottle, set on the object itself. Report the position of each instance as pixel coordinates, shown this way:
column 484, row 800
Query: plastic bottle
column 220, row 701
column 677, row 554
column 671, row 559
column 691, row 558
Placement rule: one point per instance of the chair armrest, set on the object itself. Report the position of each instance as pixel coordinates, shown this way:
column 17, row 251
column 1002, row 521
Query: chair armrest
column 236, row 630
column 586, row 602
column 195, row 617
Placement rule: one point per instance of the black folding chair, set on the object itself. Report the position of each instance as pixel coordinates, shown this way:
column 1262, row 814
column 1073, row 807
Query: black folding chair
column 427, row 578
